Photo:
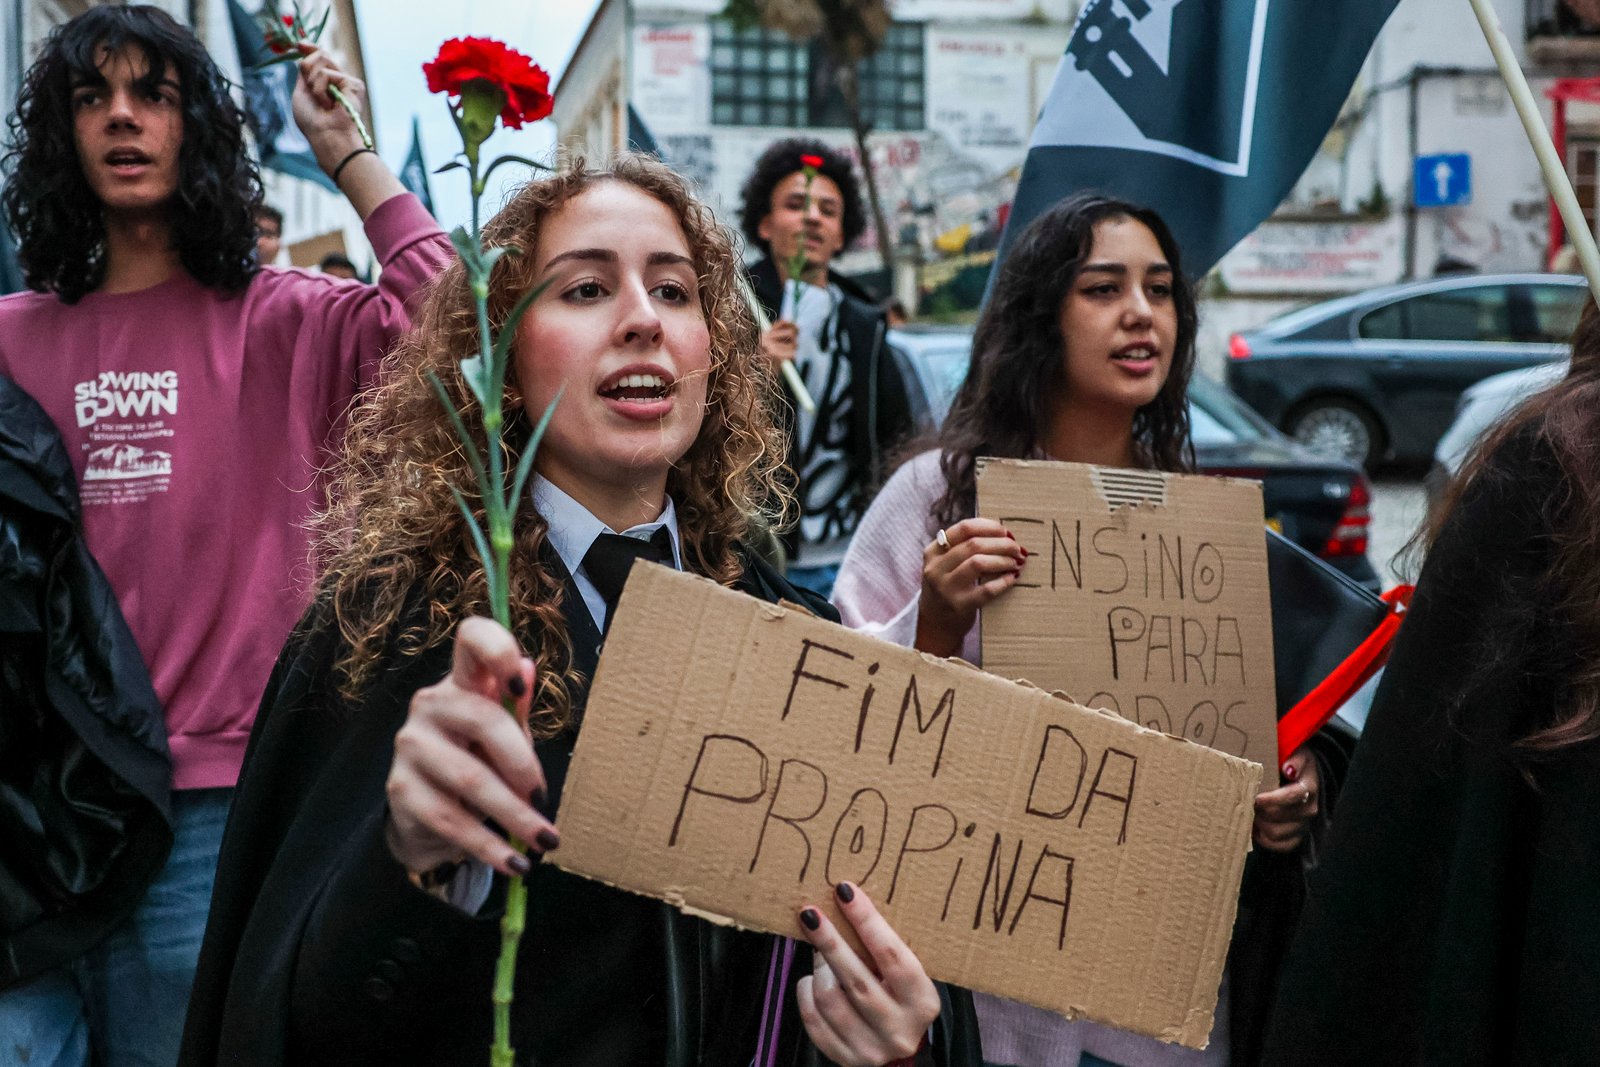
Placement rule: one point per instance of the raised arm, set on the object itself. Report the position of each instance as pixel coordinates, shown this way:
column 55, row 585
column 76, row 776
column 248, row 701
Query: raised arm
column 348, row 328
column 362, row 176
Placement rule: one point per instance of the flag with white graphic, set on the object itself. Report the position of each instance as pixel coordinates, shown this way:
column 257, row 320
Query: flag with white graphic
column 1206, row 110
column 414, row 172
column 267, row 104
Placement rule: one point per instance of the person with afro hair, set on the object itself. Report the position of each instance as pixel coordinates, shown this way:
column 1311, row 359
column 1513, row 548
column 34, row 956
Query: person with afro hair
column 834, row 331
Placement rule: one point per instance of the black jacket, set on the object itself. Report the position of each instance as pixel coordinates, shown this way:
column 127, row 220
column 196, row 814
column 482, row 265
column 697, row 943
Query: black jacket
column 84, row 772
column 1454, row 918
column 881, row 415
column 319, row 951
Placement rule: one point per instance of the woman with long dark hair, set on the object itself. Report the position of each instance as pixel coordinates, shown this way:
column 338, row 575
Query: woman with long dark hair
column 1453, row 920
column 1084, row 354
column 356, row 913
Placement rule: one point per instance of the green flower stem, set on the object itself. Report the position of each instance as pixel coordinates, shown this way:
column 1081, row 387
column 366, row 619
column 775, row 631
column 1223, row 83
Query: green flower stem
column 511, row 925
column 499, row 489
column 498, row 511
column 355, row 116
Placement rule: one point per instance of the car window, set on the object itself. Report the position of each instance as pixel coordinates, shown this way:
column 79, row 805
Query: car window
column 1217, row 416
column 1384, row 324
column 947, row 369
column 1205, row 430
column 1555, row 311
column 1477, row 313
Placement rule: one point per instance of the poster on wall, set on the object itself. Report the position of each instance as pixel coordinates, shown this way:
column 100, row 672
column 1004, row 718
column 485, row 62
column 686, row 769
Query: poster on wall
column 1315, row 257
column 671, row 86
column 979, row 93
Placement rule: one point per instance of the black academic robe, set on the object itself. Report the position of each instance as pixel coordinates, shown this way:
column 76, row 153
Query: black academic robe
column 320, row 951
column 1454, row 919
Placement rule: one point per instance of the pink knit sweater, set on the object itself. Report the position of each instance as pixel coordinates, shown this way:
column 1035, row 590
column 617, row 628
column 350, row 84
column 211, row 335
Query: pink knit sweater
column 877, row 592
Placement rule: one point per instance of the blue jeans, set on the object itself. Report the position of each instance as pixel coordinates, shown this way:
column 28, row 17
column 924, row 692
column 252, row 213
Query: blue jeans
column 817, row 579
column 123, row 1002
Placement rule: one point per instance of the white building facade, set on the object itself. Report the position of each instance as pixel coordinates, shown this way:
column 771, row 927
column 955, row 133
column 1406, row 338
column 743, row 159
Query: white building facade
column 953, row 97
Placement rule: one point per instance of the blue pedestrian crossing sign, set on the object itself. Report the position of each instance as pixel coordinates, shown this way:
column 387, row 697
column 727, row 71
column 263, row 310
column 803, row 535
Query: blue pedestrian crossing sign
column 1443, row 180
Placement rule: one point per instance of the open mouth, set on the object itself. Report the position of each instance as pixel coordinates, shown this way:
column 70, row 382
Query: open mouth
column 1134, row 354
column 121, row 158
column 637, row 385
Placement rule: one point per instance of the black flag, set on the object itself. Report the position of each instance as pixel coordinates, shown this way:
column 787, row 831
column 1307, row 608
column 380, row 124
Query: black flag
column 1206, row 110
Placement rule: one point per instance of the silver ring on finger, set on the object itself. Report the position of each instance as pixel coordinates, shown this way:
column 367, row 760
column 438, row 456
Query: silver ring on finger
column 941, row 540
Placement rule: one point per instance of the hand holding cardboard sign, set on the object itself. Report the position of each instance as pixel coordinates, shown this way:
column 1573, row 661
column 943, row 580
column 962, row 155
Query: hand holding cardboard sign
column 460, row 759
column 1283, row 815
column 859, row 1012
column 975, row 562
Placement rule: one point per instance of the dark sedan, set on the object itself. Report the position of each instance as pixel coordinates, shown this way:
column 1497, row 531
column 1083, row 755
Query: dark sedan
column 1321, row 504
column 1376, row 376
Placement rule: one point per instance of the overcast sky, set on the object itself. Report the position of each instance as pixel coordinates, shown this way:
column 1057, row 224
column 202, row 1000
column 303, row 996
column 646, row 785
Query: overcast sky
column 398, row 36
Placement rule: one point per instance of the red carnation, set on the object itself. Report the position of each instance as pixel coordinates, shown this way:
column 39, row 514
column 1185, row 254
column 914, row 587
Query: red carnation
column 288, row 20
column 814, row 162
column 482, row 59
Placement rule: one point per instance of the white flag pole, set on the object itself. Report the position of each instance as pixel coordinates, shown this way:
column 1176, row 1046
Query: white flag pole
column 786, row 366
column 1555, row 172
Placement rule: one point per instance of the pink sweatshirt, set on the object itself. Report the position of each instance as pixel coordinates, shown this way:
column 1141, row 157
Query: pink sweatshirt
column 198, row 423
column 879, row 585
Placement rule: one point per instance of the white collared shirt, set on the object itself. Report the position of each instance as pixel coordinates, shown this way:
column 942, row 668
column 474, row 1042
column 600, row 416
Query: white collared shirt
column 573, row 529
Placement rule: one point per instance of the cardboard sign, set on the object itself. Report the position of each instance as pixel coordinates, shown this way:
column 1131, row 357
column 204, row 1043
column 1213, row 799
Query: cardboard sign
column 738, row 758
column 1144, row 593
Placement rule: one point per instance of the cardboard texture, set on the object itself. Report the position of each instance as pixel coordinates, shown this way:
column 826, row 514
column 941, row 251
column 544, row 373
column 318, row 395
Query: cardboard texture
column 737, row 758
column 1144, row 593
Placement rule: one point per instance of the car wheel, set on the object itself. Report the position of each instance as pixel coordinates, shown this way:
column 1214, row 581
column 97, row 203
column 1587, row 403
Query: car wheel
column 1337, row 428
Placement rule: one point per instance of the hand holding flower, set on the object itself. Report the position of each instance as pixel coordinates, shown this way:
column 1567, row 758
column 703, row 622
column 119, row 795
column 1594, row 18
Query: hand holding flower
column 324, row 121
column 292, row 37
column 459, row 758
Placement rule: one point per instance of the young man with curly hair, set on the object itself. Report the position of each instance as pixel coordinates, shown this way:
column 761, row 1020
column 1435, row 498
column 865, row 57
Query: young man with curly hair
column 835, row 334
column 196, row 392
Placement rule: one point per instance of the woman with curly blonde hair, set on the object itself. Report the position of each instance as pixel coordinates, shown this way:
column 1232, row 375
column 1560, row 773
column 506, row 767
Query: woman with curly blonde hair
column 356, row 910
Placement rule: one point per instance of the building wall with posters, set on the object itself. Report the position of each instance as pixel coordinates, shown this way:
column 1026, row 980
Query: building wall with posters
column 1428, row 87
column 953, row 95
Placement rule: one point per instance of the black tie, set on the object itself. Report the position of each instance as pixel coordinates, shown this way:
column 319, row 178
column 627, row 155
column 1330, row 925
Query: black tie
column 611, row 557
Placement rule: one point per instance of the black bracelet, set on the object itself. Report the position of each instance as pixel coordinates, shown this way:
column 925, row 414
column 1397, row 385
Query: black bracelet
column 345, row 162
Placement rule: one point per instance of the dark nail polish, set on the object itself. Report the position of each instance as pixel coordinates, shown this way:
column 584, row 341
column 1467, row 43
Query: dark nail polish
column 1290, row 771
column 539, row 797
column 1024, row 553
column 1011, row 535
column 516, row 686
column 548, row 840
column 810, row 919
column 519, row 863
column 846, row 893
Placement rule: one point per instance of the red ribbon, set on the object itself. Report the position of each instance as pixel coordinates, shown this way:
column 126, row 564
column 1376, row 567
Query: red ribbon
column 1318, row 706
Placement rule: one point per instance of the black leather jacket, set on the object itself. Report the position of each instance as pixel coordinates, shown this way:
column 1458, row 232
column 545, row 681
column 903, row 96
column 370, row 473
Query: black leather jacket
column 84, row 771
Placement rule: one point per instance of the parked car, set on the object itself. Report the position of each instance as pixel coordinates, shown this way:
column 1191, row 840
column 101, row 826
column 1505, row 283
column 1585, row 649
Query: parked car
column 1376, row 376
column 1481, row 407
column 1321, row 504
